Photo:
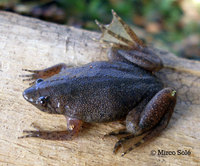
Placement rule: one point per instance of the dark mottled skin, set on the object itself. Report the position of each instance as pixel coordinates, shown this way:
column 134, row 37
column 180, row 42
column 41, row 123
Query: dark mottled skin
column 122, row 88
column 97, row 92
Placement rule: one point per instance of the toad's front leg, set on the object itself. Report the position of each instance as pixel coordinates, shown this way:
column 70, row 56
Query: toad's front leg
column 43, row 74
column 151, row 120
column 73, row 128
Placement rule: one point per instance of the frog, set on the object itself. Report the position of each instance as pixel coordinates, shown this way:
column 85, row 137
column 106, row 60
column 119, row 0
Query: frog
column 123, row 88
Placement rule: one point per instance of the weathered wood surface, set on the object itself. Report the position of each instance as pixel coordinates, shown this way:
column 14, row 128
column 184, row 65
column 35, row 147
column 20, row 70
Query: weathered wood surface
column 33, row 44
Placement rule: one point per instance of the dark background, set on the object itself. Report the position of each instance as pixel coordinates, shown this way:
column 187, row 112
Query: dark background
column 173, row 24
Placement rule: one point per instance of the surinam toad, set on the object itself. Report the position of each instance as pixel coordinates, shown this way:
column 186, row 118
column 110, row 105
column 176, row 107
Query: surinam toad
column 124, row 87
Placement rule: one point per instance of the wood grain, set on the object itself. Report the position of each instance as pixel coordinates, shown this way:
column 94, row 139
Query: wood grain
column 34, row 44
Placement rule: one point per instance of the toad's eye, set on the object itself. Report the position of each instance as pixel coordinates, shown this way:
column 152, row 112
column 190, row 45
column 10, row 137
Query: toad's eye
column 43, row 100
column 39, row 80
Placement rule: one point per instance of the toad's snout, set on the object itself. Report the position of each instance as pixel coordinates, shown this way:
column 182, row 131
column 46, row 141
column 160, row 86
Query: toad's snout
column 29, row 94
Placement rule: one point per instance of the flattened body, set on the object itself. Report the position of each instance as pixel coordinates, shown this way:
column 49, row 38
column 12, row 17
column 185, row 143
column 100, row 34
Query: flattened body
column 100, row 91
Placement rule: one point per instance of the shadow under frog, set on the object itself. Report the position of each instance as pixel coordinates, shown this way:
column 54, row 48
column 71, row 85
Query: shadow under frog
column 122, row 88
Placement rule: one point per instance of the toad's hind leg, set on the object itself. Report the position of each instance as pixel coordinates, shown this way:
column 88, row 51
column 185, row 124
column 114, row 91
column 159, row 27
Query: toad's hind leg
column 128, row 30
column 73, row 128
column 126, row 46
column 153, row 132
column 144, row 58
column 151, row 120
column 45, row 73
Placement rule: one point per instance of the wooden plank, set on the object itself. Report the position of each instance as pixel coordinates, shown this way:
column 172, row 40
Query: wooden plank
column 34, row 44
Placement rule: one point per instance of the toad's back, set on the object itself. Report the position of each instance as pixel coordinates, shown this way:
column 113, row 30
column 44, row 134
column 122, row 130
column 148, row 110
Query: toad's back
column 102, row 91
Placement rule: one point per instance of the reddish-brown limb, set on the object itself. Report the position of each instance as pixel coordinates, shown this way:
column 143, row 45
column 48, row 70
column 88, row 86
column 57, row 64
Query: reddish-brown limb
column 153, row 118
column 45, row 73
column 155, row 131
column 148, row 61
column 73, row 128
